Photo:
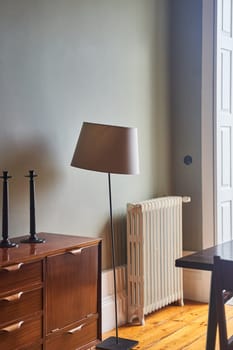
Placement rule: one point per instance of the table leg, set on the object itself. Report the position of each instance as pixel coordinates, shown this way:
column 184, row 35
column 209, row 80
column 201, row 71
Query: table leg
column 212, row 319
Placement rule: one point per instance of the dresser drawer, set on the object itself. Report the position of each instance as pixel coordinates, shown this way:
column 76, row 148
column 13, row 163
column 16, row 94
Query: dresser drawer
column 71, row 287
column 14, row 277
column 73, row 338
column 17, row 335
column 33, row 347
column 18, row 305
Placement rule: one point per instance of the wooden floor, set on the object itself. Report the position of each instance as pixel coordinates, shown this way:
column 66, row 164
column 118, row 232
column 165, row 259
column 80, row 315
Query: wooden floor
column 174, row 328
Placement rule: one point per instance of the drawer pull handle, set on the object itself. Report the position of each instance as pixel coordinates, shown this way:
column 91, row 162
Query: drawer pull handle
column 76, row 251
column 77, row 329
column 12, row 328
column 13, row 297
column 10, row 268
column 54, row 330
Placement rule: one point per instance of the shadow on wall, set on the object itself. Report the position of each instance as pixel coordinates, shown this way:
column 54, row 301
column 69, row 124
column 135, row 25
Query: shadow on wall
column 119, row 223
column 18, row 160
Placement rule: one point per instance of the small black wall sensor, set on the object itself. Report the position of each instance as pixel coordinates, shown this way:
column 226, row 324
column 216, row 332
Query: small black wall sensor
column 188, row 160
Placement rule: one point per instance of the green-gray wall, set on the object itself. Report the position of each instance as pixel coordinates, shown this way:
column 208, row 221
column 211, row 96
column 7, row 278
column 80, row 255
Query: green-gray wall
column 63, row 62
column 186, row 108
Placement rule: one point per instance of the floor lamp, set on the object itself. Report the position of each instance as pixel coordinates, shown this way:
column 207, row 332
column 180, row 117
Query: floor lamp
column 112, row 150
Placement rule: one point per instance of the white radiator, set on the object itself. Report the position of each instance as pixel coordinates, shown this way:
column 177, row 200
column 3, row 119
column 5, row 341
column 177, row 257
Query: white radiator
column 154, row 241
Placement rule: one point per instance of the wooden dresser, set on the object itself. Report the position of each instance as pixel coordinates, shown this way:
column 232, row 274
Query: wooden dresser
column 50, row 294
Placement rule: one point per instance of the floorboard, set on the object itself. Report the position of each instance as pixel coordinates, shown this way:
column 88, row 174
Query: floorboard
column 173, row 327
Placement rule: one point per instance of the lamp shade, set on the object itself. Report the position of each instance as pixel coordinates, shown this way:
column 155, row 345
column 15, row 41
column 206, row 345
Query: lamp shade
column 107, row 148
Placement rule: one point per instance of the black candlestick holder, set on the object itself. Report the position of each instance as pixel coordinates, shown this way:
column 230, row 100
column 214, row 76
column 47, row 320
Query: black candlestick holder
column 5, row 243
column 33, row 236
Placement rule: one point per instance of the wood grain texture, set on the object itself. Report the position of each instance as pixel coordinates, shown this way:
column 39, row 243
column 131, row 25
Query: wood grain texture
column 29, row 332
column 173, row 328
column 71, row 288
column 28, row 274
column 53, row 242
column 71, row 338
column 29, row 303
column 53, row 286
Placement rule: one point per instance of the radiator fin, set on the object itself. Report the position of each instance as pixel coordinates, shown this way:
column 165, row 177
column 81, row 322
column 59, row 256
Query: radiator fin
column 154, row 241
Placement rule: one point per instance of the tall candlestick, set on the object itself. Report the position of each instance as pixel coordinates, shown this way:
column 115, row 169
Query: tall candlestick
column 33, row 237
column 5, row 243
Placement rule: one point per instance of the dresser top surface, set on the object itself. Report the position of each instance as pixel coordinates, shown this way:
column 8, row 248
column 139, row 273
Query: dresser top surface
column 54, row 244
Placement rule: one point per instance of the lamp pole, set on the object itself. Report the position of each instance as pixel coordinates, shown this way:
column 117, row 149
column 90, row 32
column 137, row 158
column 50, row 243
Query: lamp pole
column 113, row 255
column 115, row 343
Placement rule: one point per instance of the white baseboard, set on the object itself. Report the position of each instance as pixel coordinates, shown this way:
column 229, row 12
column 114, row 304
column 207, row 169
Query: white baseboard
column 108, row 303
column 196, row 287
column 196, row 283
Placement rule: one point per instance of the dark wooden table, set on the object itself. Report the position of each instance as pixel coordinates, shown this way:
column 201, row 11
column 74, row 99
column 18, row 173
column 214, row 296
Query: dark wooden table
column 204, row 260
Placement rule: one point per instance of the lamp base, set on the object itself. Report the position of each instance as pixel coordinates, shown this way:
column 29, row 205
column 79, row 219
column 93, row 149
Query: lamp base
column 6, row 243
column 112, row 344
column 33, row 239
